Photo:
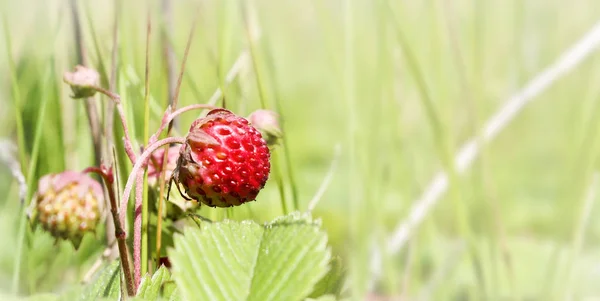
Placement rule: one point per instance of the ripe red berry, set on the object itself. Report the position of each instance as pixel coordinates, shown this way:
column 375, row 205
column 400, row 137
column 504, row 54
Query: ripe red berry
column 224, row 161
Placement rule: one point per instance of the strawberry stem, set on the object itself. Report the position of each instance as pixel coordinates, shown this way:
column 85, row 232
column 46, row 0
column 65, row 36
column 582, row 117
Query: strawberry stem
column 168, row 117
column 117, row 100
column 120, row 234
column 137, row 227
column 137, row 172
column 144, row 225
column 141, row 162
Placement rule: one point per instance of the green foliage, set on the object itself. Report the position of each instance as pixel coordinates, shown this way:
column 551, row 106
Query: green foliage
column 336, row 74
column 106, row 284
column 151, row 288
column 332, row 282
column 281, row 260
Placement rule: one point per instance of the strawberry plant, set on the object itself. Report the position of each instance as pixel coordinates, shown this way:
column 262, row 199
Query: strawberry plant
column 224, row 161
column 299, row 150
column 147, row 195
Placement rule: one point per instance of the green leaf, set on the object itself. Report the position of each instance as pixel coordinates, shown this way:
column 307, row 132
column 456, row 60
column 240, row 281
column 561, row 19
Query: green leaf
column 231, row 260
column 175, row 293
column 332, row 283
column 150, row 288
column 106, row 284
column 170, row 291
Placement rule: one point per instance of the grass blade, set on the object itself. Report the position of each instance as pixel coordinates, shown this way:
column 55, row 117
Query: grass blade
column 30, row 178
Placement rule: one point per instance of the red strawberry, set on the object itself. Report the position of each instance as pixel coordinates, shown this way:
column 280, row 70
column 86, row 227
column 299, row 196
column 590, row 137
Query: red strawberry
column 224, row 162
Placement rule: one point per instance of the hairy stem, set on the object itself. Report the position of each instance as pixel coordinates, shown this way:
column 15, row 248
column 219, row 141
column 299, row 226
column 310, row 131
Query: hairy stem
column 127, row 139
column 137, row 227
column 144, row 196
column 120, row 234
column 141, row 162
column 168, row 117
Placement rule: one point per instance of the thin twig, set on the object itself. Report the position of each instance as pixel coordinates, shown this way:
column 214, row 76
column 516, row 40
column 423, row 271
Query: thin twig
column 470, row 150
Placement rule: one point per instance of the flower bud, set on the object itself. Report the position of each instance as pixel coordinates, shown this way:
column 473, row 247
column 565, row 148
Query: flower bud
column 69, row 205
column 267, row 122
column 82, row 81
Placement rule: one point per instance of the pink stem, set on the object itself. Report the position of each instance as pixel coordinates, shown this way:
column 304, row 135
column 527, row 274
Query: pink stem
column 127, row 138
column 170, row 116
column 137, row 228
column 139, row 163
column 117, row 100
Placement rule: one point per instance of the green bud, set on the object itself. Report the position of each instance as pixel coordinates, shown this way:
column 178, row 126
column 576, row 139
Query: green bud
column 267, row 122
column 82, row 81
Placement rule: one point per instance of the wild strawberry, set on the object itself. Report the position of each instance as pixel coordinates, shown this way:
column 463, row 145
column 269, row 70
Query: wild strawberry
column 69, row 205
column 155, row 163
column 224, row 161
column 267, row 122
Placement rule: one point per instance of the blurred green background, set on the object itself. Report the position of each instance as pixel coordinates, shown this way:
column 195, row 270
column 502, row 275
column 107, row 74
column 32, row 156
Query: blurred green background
column 515, row 226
